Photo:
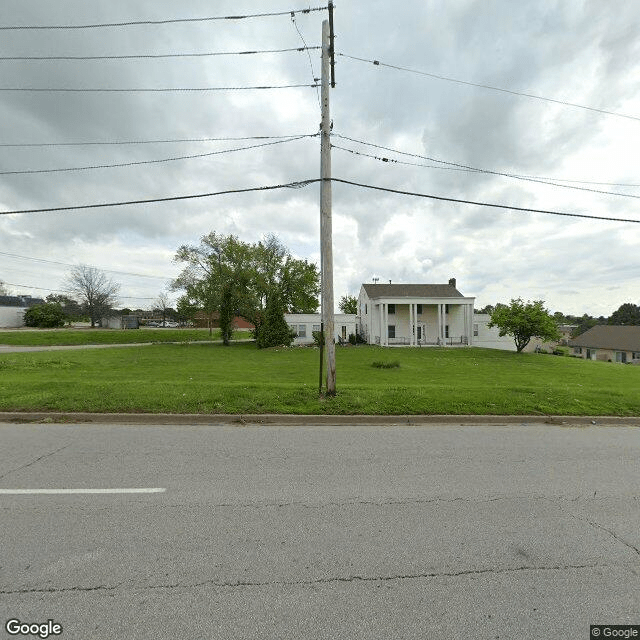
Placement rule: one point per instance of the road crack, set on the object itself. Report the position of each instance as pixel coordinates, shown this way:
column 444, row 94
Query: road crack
column 28, row 464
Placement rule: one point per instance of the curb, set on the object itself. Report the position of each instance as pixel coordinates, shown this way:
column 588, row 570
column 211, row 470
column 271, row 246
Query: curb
column 304, row 420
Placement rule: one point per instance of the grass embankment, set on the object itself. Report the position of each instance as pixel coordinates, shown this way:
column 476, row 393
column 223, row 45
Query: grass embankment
column 209, row 378
column 107, row 336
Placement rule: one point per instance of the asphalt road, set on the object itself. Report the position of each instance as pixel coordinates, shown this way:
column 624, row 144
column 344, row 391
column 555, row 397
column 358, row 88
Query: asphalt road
column 482, row 532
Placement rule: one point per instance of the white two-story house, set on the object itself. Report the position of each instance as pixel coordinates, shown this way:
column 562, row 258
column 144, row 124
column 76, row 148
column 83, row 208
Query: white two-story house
column 415, row 314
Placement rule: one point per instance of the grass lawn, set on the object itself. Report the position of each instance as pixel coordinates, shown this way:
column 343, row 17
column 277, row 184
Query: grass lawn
column 107, row 336
column 210, row 378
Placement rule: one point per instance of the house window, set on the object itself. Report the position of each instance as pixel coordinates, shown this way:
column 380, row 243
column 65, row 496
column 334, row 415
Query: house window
column 577, row 349
column 635, row 355
column 392, row 331
column 365, row 310
column 475, row 330
column 418, row 309
column 344, row 332
column 446, row 308
column 446, row 330
column 419, row 333
column 316, row 327
column 391, row 308
column 302, row 331
column 621, row 356
column 591, row 354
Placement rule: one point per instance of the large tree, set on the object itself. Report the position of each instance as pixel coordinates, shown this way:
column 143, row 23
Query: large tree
column 628, row 313
column 70, row 307
column 230, row 277
column 348, row 304
column 95, row 291
column 523, row 321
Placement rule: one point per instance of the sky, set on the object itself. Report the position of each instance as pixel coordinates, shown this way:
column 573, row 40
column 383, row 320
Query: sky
column 568, row 51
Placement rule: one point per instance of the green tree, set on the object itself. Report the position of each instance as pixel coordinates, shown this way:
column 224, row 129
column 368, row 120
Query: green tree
column 348, row 304
column 274, row 330
column 233, row 278
column 45, row 316
column 628, row 313
column 523, row 321
column 70, row 307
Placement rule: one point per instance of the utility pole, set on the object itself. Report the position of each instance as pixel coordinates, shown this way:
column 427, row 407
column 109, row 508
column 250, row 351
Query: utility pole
column 326, row 243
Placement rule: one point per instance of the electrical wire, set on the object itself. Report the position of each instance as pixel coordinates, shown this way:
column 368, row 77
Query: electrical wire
column 155, row 56
column 28, row 286
column 463, row 167
column 67, row 264
column 313, row 73
column 484, row 204
column 161, row 141
column 492, row 88
column 150, row 90
column 159, row 22
column 290, row 185
column 158, row 161
column 304, row 183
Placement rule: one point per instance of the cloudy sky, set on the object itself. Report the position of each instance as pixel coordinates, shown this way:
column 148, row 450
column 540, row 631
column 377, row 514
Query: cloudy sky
column 581, row 52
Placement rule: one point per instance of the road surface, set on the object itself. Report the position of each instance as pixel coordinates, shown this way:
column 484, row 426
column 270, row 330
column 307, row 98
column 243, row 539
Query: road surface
column 319, row 532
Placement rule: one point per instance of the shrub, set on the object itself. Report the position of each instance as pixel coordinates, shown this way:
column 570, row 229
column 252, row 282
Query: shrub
column 352, row 339
column 385, row 365
column 274, row 331
column 318, row 338
column 45, row 316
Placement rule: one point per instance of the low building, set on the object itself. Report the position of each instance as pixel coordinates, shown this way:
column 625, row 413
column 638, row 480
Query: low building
column 304, row 324
column 12, row 309
column 415, row 314
column 610, row 343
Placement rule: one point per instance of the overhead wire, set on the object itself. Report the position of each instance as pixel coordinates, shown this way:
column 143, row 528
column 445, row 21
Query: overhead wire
column 158, row 141
column 153, row 56
column 313, row 73
column 150, row 89
column 304, row 183
column 156, row 161
column 131, row 23
column 28, row 286
column 67, row 264
column 436, row 76
column 463, row 167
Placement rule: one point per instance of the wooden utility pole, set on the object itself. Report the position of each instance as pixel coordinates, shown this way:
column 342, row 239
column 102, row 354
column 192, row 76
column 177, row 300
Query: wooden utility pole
column 326, row 243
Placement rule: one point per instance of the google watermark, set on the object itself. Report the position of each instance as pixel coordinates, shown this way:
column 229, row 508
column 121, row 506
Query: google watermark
column 625, row 631
column 15, row 627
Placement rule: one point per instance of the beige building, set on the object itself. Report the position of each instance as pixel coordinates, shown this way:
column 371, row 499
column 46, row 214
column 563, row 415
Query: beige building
column 415, row 314
column 610, row 343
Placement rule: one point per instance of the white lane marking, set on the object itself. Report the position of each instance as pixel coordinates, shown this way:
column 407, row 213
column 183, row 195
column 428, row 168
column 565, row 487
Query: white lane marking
column 63, row 491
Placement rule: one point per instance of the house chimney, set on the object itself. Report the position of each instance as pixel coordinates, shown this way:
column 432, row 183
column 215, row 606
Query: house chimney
column 389, row 281
column 452, row 282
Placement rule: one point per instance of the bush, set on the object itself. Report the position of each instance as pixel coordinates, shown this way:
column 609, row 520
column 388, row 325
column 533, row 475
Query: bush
column 274, row 330
column 318, row 338
column 386, row 365
column 352, row 339
column 45, row 316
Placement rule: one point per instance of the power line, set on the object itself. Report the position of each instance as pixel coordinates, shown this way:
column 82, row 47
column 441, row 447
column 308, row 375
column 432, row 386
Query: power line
column 151, row 90
column 492, row 88
column 67, row 264
column 290, row 185
column 464, row 167
column 28, row 286
column 304, row 183
column 484, row 204
column 159, row 160
column 160, row 141
column 313, row 73
column 159, row 22
column 151, row 56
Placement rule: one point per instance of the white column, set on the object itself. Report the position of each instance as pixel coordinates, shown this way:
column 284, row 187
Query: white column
column 381, row 315
column 386, row 324
column 412, row 324
column 439, row 323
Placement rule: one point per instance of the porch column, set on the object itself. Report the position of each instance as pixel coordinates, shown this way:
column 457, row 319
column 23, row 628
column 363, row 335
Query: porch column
column 413, row 315
column 386, row 324
column 381, row 308
column 439, row 323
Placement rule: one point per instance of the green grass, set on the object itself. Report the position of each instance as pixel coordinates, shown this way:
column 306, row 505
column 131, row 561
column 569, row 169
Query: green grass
column 106, row 336
column 210, row 378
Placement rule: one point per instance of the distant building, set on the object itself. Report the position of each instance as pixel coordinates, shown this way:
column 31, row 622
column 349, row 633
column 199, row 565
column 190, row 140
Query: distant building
column 304, row 325
column 12, row 309
column 612, row 343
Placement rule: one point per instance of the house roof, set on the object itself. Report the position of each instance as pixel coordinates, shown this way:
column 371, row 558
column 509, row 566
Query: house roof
column 607, row 336
column 19, row 301
column 411, row 291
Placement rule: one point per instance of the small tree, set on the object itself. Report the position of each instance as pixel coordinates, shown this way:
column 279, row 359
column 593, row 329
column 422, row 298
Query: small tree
column 348, row 304
column 45, row 316
column 96, row 292
column 161, row 305
column 274, row 330
column 523, row 321
column 3, row 289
